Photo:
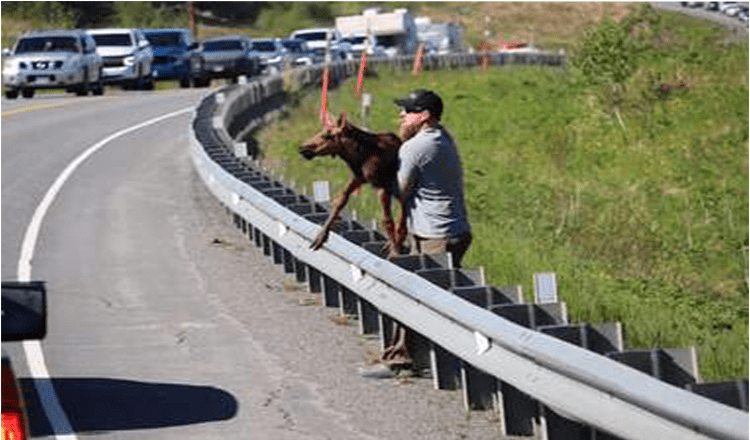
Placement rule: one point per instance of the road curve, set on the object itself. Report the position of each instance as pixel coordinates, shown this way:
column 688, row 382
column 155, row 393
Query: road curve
column 165, row 322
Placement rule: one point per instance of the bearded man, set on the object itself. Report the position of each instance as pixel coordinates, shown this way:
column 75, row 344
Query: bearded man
column 430, row 179
column 431, row 185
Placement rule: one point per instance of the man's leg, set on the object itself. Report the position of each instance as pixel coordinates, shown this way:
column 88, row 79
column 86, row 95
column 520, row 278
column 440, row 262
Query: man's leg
column 456, row 246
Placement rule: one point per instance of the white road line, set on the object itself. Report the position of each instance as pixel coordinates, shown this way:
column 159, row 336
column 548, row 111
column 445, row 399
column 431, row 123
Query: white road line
column 33, row 349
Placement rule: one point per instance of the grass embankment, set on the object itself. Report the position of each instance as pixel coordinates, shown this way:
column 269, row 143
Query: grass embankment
column 642, row 213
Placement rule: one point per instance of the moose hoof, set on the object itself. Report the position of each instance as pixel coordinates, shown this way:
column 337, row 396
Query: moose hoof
column 391, row 250
column 319, row 240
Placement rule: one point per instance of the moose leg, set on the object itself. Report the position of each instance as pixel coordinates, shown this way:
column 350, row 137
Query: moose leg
column 392, row 247
column 401, row 228
column 336, row 208
column 397, row 353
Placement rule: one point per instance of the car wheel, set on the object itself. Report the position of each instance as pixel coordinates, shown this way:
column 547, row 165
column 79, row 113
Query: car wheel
column 11, row 93
column 185, row 83
column 98, row 89
column 28, row 93
column 83, row 89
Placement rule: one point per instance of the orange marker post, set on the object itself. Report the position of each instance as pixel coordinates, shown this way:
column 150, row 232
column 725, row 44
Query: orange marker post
column 418, row 61
column 360, row 77
column 324, row 100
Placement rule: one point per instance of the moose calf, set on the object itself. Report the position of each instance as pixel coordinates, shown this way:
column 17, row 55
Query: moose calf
column 373, row 159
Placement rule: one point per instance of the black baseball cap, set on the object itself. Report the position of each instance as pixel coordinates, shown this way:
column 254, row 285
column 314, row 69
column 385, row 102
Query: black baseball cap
column 420, row 101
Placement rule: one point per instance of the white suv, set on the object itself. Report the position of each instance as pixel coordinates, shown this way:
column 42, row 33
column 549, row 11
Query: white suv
column 318, row 40
column 127, row 56
column 52, row 59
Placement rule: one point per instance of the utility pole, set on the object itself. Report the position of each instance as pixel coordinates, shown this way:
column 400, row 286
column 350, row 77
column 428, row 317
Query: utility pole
column 193, row 27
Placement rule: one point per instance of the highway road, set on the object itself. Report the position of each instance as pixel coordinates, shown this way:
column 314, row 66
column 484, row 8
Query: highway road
column 164, row 321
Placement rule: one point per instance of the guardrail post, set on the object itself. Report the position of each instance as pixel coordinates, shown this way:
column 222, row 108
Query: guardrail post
column 330, row 292
column 300, row 270
column 729, row 393
column 347, row 302
column 368, row 317
column 314, row 280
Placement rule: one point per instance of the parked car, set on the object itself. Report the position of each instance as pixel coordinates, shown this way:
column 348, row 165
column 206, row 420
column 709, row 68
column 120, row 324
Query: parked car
column 297, row 52
column 359, row 43
column 725, row 6
column 174, row 53
column 226, row 57
column 52, row 59
column 732, row 10
column 743, row 15
column 712, row 6
column 318, row 39
column 270, row 53
column 127, row 57
column 24, row 310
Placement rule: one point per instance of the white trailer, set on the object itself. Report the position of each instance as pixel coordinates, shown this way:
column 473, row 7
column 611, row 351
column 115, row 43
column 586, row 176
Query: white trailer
column 395, row 31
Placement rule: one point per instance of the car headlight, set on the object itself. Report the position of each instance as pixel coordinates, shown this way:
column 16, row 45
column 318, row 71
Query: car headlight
column 22, row 65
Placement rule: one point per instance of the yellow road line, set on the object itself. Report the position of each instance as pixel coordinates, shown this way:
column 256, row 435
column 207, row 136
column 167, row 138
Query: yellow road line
column 41, row 106
column 30, row 108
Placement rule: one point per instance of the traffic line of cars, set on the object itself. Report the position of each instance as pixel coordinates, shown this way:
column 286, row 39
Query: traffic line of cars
column 84, row 61
column 731, row 9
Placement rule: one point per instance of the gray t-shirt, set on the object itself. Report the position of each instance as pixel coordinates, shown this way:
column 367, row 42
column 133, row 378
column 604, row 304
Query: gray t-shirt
column 435, row 205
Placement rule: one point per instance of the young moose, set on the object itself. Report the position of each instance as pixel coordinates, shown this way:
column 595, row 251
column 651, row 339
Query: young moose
column 373, row 158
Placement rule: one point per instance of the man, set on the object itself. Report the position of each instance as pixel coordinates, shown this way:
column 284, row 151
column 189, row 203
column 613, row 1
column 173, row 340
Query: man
column 430, row 180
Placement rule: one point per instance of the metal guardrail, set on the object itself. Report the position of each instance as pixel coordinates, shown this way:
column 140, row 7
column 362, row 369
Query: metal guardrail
column 579, row 385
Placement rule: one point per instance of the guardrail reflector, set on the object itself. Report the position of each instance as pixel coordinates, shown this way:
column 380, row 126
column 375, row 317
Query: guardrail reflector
column 357, row 273
column 483, row 343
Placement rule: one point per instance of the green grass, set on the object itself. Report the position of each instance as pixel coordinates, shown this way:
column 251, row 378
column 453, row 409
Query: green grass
column 644, row 218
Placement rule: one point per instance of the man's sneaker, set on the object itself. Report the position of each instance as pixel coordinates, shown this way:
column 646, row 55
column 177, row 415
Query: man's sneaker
column 376, row 371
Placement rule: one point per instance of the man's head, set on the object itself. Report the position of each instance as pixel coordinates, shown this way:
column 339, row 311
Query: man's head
column 420, row 108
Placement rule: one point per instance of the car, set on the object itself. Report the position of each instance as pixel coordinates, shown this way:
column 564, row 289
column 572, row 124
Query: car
column 24, row 311
column 52, row 59
column 297, row 53
column 712, row 6
column 318, row 40
column 742, row 15
column 127, row 57
column 361, row 42
column 174, row 53
column 226, row 57
column 270, row 53
column 727, row 6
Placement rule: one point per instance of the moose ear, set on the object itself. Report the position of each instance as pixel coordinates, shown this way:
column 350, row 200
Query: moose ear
column 327, row 120
column 342, row 119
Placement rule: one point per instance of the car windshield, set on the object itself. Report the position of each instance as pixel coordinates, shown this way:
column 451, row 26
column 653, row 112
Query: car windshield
column 357, row 40
column 162, row 39
column 264, row 46
column 113, row 39
column 292, row 46
column 47, row 44
column 215, row 46
column 312, row 36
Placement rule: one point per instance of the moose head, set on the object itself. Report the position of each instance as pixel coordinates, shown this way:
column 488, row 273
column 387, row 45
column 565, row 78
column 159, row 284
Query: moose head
column 329, row 141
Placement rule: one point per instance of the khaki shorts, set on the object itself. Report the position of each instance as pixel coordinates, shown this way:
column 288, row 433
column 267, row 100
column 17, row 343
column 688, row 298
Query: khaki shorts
column 456, row 246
